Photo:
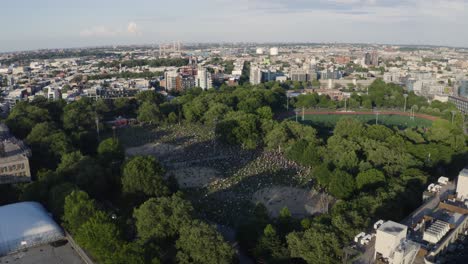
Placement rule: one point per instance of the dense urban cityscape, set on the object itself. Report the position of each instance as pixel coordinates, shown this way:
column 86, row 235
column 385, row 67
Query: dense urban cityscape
column 256, row 152
column 244, row 132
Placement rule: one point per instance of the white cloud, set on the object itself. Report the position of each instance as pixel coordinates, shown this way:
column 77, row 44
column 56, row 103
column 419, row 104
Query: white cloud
column 107, row 32
column 132, row 28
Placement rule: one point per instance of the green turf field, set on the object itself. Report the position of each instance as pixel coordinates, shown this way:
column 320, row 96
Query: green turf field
column 329, row 121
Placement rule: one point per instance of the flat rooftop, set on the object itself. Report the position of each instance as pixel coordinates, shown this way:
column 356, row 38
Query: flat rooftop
column 393, row 228
column 55, row 253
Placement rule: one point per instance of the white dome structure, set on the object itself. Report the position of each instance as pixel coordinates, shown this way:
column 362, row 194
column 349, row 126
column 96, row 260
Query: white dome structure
column 25, row 225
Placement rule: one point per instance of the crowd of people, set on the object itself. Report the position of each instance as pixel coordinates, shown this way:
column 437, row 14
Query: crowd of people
column 241, row 172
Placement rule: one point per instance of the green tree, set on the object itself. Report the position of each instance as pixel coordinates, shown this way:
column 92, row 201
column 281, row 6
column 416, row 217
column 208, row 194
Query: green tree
column 265, row 112
column 85, row 172
column 50, row 142
column 202, row 244
column 341, row 184
column 323, row 175
column 215, row 113
column 128, row 253
column 79, row 116
column 162, row 217
column 151, row 97
column 342, row 153
column 149, row 113
column 144, row 174
column 78, row 209
column 239, row 128
column 123, row 106
column 57, row 195
column 24, row 117
column 110, row 150
column 100, row 237
column 172, row 118
column 316, row 245
column 369, row 179
column 270, row 248
column 349, row 128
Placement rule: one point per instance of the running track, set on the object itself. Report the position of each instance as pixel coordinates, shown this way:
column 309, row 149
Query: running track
column 423, row 116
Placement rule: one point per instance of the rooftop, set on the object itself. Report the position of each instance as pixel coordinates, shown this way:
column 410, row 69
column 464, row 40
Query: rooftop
column 463, row 173
column 24, row 225
column 56, row 253
column 392, row 228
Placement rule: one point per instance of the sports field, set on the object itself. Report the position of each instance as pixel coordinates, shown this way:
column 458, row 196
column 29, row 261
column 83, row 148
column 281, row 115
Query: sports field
column 329, row 120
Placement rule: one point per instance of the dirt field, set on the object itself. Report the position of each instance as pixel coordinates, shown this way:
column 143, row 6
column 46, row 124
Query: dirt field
column 300, row 202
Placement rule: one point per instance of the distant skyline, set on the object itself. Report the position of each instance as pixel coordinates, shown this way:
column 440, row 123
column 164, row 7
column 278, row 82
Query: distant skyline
column 41, row 24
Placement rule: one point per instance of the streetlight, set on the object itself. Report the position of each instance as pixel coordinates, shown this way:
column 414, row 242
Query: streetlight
column 303, row 109
column 376, row 118
column 406, row 96
column 345, row 104
column 412, row 113
column 453, row 115
column 97, row 126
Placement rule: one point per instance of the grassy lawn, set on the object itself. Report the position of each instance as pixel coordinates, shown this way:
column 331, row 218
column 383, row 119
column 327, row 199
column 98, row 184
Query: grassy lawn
column 329, row 121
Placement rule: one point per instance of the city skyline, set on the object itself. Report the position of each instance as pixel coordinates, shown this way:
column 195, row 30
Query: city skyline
column 54, row 24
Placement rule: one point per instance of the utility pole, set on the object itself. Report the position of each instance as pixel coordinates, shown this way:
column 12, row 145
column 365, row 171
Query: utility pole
column 287, row 102
column 97, row 127
column 214, row 135
column 345, row 106
column 303, row 109
column 296, row 114
column 377, row 118
column 406, row 96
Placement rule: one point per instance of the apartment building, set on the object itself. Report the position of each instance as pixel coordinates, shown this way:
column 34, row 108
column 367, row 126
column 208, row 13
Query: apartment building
column 14, row 158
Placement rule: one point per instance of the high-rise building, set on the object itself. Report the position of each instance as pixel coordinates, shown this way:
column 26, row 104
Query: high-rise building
column 463, row 88
column 185, row 82
column 203, row 79
column 374, row 58
column 171, row 80
column 298, row 75
column 367, row 58
column 462, row 185
column 255, row 75
column 333, row 75
column 269, row 75
column 188, row 70
column 371, row 59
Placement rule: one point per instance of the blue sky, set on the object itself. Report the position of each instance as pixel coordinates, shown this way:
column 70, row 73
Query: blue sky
column 33, row 24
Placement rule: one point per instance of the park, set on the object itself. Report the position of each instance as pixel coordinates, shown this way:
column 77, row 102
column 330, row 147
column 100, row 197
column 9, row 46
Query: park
column 328, row 119
column 223, row 181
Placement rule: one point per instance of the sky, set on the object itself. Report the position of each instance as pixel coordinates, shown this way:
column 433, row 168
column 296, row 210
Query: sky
column 39, row 24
